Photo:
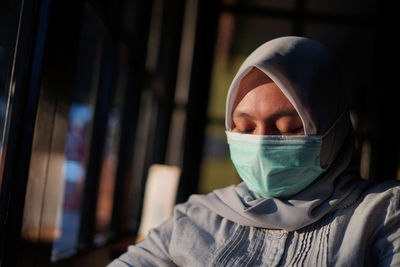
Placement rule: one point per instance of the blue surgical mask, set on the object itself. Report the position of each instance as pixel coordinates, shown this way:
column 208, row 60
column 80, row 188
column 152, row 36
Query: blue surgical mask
column 276, row 166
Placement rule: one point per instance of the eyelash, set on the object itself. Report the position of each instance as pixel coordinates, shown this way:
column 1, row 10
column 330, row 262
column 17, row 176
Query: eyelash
column 293, row 131
column 282, row 133
column 246, row 131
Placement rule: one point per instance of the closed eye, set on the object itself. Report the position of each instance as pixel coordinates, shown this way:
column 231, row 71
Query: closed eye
column 247, row 131
column 296, row 131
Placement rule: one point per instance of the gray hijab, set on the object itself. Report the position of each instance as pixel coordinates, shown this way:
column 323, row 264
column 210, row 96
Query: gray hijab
column 306, row 73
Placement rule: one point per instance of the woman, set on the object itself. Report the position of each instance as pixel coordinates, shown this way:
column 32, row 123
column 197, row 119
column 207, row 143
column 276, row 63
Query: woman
column 291, row 142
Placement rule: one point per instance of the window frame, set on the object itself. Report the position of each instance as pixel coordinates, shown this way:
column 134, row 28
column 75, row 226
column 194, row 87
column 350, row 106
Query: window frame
column 22, row 111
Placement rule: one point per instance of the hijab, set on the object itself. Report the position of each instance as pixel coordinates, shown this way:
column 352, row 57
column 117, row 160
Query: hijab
column 307, row 74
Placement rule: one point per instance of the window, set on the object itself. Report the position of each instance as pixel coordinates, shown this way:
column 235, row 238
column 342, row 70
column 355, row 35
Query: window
column 79, row 167
column 9, row 25
column 62, row 142
column 110, row 155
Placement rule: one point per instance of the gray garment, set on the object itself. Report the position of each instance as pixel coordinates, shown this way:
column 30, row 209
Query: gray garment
column 365, row 233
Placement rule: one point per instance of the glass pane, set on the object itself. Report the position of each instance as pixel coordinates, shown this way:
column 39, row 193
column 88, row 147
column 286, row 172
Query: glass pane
column 80, row 119
column 61, row 144
column 237, row 37
column 9, row 21
column 110, row 158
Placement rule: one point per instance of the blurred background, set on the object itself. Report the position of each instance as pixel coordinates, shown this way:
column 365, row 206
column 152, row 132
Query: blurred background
column 95, row 93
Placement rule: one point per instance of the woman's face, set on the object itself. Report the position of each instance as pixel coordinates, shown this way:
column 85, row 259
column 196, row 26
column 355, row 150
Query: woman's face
column 261, row 108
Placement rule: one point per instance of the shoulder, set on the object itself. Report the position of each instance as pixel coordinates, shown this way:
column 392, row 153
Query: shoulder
column 380, row 199
column 199, row 215
column 197, row 210
column 386, row 193
column 370, row 227
column 391, row 186
column 378, row 209
column 381, row 208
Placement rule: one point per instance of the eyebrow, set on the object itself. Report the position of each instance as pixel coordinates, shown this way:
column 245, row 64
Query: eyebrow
column 241, row 114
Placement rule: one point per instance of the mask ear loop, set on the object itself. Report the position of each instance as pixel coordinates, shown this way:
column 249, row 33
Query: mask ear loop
column 333, row 139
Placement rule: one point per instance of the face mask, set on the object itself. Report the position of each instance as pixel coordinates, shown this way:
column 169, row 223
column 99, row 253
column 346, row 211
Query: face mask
column 274, row 165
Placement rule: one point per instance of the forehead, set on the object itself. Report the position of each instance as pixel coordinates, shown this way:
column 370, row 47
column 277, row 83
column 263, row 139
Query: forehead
column 263, row 101
column 253, row 79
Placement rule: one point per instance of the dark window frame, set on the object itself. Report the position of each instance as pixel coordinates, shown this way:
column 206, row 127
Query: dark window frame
column 27, row 72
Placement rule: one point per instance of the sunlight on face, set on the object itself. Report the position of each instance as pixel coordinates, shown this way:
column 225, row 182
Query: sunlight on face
column 261, row 108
